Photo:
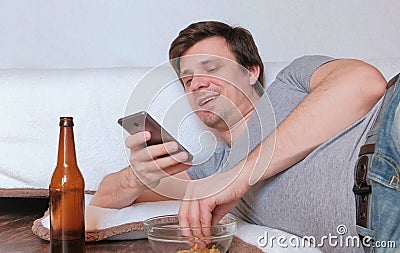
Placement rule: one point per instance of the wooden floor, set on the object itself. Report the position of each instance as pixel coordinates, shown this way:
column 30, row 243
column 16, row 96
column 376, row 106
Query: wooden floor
column 16, row 219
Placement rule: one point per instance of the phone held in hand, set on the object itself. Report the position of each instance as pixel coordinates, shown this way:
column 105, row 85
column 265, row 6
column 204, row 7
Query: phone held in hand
column 143, row 121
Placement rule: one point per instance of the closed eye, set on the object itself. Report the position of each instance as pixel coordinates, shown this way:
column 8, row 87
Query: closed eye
column 188, row 82
column 213, row 69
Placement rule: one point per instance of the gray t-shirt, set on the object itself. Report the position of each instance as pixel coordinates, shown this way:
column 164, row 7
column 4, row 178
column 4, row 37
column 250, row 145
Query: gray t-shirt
column 314, row 196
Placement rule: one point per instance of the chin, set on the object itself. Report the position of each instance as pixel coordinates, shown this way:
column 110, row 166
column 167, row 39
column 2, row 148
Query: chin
column 210, row 119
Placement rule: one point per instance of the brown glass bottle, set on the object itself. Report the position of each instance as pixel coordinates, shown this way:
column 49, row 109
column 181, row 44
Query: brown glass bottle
column 67, row 199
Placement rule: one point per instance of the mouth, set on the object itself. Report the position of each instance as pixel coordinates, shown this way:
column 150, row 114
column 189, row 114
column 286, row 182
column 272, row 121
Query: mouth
column 205, row 100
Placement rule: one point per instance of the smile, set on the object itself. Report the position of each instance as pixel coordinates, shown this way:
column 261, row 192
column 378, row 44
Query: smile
column 207, row 99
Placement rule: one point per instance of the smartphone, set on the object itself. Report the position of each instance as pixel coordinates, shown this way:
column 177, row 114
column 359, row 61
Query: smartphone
column 143, row 121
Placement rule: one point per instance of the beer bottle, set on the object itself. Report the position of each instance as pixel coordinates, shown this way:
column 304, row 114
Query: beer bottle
column 67, row 199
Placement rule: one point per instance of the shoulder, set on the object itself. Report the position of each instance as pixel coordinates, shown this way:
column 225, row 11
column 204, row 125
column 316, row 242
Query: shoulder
column 298, row 73
column 306, row 62
column 354, row 72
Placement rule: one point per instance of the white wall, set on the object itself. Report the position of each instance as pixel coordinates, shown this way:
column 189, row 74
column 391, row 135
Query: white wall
column 123, row 33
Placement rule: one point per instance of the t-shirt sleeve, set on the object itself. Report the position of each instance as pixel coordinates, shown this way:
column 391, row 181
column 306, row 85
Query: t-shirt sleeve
column 298, row 73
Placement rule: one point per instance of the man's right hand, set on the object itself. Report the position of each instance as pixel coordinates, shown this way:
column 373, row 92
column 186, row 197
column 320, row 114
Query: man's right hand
column 152, row 163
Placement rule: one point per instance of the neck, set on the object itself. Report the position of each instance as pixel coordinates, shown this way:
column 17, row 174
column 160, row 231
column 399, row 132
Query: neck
column 234, row 131
column 231, row 135
column 66, row 148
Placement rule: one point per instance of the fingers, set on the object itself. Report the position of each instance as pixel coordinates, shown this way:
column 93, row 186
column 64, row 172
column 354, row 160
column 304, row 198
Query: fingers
column 194, row 222
column 193, row 219
column 216, row 217
column 184, row 223
column 183, row 213
column 196, row 215
column 206, row 219
column 141, row 153
column 135, row 141
column 152, row 163
column 200, row 209
column 175, row 159
column 155, row 151
column 175, row 169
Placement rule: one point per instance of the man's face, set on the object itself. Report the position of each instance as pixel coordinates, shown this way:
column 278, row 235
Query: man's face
column 219, row 89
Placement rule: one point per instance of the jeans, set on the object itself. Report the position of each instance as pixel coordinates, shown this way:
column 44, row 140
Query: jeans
column 384, row 177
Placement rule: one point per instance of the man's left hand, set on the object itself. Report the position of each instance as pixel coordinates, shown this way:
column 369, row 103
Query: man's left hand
column 208, row 200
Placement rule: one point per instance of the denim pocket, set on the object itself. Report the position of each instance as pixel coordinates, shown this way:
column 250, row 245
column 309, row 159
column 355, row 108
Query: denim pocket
column 385, row 170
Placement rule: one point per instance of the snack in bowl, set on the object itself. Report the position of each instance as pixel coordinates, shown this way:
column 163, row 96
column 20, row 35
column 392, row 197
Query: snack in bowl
column 165, row 235
column 196, row 249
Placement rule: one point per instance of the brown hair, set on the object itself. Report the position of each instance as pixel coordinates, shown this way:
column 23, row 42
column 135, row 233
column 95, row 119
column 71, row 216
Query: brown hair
column 239, row 40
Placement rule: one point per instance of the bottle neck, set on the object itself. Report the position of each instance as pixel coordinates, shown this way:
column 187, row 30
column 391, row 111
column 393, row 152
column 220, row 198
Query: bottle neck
column 66, row 148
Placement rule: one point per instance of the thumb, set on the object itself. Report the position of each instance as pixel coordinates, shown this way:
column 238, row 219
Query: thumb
column 217, row 215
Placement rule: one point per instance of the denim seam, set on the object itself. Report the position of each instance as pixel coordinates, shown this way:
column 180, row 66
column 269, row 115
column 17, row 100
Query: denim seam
column 394, row 182
column 376, row 178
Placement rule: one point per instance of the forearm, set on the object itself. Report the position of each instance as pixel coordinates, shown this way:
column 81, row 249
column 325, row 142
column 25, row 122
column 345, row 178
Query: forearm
column 117, row 190
column 122, row 189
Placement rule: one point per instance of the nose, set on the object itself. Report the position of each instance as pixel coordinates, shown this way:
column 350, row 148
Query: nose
column 199, row 82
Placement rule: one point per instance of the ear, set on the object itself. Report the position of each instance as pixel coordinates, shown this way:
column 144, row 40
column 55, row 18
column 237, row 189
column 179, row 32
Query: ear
column 254, row 73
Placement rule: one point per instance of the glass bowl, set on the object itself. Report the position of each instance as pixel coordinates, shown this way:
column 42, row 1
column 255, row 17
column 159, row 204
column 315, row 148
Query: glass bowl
column 165, row 236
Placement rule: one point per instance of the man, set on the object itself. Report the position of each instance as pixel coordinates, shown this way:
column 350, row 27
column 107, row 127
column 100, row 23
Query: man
column 300, row 178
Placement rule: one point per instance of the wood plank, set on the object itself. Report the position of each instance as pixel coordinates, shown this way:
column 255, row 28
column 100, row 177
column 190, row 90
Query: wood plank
column 16, row 219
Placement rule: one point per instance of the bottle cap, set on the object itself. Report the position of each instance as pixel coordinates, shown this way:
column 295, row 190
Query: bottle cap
column 66, row 122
